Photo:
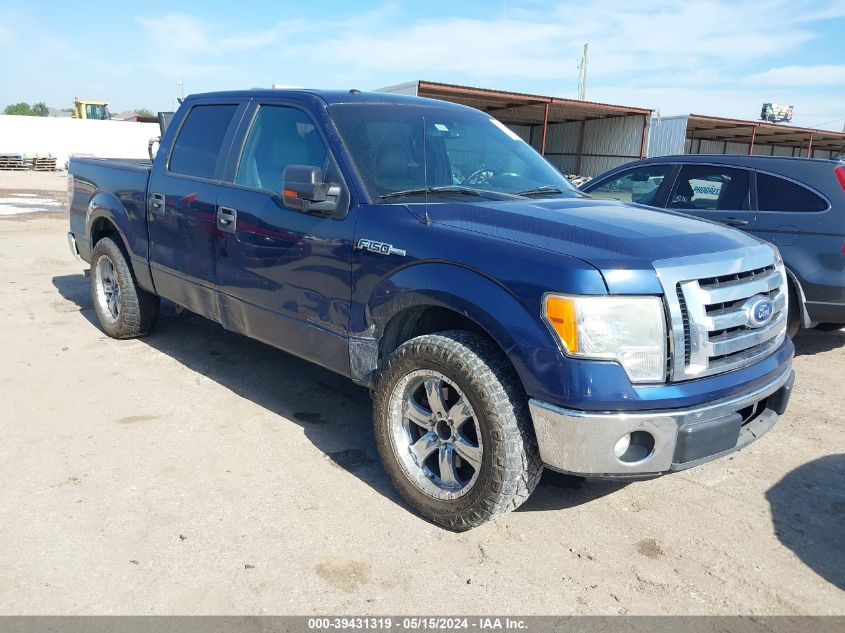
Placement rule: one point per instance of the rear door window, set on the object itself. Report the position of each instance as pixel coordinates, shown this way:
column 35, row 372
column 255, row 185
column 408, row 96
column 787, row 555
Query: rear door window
column 639, row 185
column 197, row 148
column 711, row 188
column 779, row 194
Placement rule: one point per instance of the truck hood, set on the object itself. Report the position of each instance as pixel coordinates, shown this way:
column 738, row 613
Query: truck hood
column 621, row 240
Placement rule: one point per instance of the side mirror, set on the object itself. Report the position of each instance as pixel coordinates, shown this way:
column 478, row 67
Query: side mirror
column 303, row 188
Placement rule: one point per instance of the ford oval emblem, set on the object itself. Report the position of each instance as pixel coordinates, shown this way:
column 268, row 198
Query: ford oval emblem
column 759, row 311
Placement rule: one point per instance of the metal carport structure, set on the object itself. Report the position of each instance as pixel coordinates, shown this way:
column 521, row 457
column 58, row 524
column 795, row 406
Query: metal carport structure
column 702, row 134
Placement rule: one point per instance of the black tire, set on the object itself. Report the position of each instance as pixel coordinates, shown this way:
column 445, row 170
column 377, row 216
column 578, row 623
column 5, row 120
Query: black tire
column 137, row 310
column 510, row 461
column 830, row 327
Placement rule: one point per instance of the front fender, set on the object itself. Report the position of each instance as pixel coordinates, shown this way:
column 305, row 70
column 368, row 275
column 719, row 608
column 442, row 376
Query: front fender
column 513, row 325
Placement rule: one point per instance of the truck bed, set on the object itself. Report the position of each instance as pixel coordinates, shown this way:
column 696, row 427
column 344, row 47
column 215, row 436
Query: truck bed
column 113, row 182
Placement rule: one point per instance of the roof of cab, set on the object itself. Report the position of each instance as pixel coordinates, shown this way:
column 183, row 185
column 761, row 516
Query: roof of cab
column 328, row 97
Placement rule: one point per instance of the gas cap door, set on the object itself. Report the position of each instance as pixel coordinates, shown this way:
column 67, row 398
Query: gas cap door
column 784, row 235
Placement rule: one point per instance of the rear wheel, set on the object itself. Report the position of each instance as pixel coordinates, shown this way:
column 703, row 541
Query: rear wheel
column 123, row 309
column 453, row 430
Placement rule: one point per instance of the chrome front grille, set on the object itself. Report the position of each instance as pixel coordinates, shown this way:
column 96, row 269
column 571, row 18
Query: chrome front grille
column 685, row 316
column 710, row 300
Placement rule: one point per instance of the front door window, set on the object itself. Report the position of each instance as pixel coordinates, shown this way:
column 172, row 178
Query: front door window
column 639, row 185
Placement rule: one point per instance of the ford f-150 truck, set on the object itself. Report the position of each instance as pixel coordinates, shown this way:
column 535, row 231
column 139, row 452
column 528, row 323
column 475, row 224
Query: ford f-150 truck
column 503, row 321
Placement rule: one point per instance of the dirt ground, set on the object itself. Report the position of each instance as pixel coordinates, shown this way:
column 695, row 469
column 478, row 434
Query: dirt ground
column 196, row 471
column 34, row 181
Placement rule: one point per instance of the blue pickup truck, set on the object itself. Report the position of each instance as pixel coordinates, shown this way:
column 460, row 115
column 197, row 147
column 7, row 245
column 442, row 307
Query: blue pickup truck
column 504, row 321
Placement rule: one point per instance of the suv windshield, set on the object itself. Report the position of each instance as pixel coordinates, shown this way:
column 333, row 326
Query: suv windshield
column 404, row 151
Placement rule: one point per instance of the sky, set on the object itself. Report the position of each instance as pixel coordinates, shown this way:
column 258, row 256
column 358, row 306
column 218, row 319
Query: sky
column 714, row 57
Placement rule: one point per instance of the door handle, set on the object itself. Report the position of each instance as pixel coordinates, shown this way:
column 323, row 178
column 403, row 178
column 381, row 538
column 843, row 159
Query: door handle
column 227, row 219
column 157, row 203
column 736, row 222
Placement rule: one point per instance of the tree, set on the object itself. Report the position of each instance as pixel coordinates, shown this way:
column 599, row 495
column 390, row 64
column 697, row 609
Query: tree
column 21, row 108
column 40, row 109
column 144, row 112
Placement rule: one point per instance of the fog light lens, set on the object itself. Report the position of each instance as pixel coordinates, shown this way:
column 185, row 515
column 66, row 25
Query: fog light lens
column 634, row 447
column 622, row 445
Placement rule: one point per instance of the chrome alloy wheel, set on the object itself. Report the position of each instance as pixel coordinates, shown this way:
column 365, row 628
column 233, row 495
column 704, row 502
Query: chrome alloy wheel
column 108, row 288
column 435, row 434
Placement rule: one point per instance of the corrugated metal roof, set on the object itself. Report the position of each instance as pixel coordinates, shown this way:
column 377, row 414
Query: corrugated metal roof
column 763, row 133
column 427, row 87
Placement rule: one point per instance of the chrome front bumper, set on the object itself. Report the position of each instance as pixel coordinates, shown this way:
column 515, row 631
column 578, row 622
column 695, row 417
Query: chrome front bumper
column 582, row 442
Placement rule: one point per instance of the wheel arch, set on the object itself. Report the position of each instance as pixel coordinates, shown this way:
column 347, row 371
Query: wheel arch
column 107, row 217
column 435, row 297
column 420, row 319
column 795, row 286
column 101, row 227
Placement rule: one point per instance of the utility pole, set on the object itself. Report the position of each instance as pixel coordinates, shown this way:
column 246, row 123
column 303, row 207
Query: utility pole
column 582, row 75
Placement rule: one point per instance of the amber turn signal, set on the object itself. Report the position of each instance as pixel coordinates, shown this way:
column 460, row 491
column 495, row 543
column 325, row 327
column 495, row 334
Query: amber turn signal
column 560, row 313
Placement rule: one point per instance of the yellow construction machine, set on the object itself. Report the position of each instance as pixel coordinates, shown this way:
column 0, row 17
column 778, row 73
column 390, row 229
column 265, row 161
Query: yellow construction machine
column 97, row 110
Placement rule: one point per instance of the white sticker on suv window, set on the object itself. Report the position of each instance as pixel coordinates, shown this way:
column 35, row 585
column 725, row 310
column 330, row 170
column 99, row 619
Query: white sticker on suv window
column 505, row 129
column 705, row 189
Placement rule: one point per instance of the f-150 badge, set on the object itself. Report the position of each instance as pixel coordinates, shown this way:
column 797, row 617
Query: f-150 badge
column 379, row 247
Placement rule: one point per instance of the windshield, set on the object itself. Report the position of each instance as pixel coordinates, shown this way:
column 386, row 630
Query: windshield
column 461, row 152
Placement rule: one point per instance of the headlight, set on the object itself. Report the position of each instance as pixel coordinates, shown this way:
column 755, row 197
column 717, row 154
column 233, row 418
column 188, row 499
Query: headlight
column 628, row 330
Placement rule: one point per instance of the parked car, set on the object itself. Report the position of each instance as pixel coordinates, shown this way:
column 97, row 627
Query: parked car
column 410, row 245
column 795, row 203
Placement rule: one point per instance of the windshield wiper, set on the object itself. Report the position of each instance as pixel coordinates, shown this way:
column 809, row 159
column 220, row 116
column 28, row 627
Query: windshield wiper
column 467, row 191
column 538, row 191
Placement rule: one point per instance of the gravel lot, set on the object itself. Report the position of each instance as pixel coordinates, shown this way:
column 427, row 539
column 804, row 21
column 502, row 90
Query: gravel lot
column 196, row 471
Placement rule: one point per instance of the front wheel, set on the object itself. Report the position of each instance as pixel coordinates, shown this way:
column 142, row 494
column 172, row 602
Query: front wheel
column 123, row 309
column 453, row 430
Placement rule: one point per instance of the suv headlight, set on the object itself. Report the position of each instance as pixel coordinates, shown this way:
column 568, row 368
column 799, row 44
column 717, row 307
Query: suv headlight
column 628, row 330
